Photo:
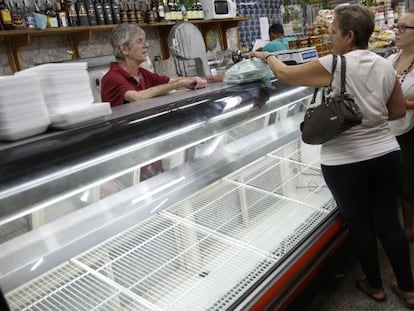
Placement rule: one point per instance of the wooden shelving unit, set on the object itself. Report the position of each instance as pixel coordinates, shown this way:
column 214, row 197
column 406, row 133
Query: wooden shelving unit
column 15, row 39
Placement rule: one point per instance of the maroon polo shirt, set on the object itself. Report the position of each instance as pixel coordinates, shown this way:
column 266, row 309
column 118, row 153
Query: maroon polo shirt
column 116, row 82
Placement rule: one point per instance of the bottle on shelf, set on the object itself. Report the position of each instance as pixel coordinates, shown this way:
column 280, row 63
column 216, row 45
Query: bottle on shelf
column 161, row 11
column 90, row 10
column 109, row 20
column 390, row 18
column 52, row 20
column 123, row 12
column 132, row 17
column 379, row 18
column 149, row 13
column 116, row 12
column 61, row 15
column 6, row 17
column 99, row 11
column 154, row 8
column 82, row 13
column 28, row 17
column 37, row 7
column 17, row 17
column 71, row 14
column 167, row 13
column 139, row 12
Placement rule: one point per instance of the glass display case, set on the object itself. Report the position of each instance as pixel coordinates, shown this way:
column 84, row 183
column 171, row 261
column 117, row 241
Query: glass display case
column 238, row 219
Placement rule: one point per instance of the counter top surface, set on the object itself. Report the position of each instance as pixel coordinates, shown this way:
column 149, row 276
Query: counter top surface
column 173, row 97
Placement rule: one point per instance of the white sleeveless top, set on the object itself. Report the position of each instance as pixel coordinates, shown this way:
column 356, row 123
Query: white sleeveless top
column 370, row 79
column 404, row 125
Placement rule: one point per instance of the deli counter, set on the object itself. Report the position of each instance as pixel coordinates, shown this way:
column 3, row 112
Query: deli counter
column 239, row 218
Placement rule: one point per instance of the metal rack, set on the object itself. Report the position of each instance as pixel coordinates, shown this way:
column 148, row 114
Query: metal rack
column 201, row 253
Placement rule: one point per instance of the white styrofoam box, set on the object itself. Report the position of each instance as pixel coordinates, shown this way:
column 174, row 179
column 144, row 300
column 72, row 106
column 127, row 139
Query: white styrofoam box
column 63, row 84
column 22, row 114
column 76, row 116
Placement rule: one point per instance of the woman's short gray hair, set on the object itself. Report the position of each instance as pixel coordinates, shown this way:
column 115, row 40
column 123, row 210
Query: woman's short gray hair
column 123, row 34
column 356, row 18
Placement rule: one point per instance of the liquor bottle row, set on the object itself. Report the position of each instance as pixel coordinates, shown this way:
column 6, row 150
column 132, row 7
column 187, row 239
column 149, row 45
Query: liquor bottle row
column 19, row 14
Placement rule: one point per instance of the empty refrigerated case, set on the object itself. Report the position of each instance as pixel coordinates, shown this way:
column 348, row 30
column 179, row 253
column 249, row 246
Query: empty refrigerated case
column 238, row 220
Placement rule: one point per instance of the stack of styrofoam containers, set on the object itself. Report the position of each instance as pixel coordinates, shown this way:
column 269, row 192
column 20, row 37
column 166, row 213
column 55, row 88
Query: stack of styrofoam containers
column 23, row 110
column 68, row 93
column 65, row 86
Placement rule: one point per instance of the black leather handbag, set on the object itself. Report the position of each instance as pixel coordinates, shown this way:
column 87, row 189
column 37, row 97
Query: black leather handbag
column 334, row 115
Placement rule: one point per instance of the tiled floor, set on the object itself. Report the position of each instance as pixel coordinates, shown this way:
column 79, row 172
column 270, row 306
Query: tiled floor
column 335, row 289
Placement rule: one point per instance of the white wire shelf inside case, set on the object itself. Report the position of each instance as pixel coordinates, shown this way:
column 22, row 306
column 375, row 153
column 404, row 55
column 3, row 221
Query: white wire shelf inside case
column 201, row 253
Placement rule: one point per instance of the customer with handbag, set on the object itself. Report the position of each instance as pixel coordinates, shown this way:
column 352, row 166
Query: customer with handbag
column 362, row 165
column 404, row 128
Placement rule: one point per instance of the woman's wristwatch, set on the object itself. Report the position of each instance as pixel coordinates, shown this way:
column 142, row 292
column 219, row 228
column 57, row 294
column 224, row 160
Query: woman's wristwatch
column 267, row 56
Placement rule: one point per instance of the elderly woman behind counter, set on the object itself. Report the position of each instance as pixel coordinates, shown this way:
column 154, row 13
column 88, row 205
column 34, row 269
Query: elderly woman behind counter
column 126, row 81
column 362, row 165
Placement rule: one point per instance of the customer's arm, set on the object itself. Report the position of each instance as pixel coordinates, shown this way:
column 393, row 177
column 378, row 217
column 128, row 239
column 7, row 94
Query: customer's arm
column 396, row 103
column 308, row 74
column 409, row 104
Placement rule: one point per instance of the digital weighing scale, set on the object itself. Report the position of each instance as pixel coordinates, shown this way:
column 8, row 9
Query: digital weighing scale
column 297, row 56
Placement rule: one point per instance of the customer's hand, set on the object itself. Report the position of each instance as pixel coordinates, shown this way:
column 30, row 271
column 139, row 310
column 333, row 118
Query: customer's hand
column 259, row 54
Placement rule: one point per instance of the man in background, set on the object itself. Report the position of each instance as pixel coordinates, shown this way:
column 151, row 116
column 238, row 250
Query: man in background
column 278, row 41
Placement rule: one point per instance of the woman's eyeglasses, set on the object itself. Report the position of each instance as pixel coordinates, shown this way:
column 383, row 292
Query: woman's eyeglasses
column 403, row 28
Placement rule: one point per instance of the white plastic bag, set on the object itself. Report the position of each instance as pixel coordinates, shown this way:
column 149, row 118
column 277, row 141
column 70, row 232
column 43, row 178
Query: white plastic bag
column 247, row 70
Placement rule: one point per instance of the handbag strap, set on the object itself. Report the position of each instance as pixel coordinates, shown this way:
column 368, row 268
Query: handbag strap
column 334, row 62
column 343, row 74
column 315, row 92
